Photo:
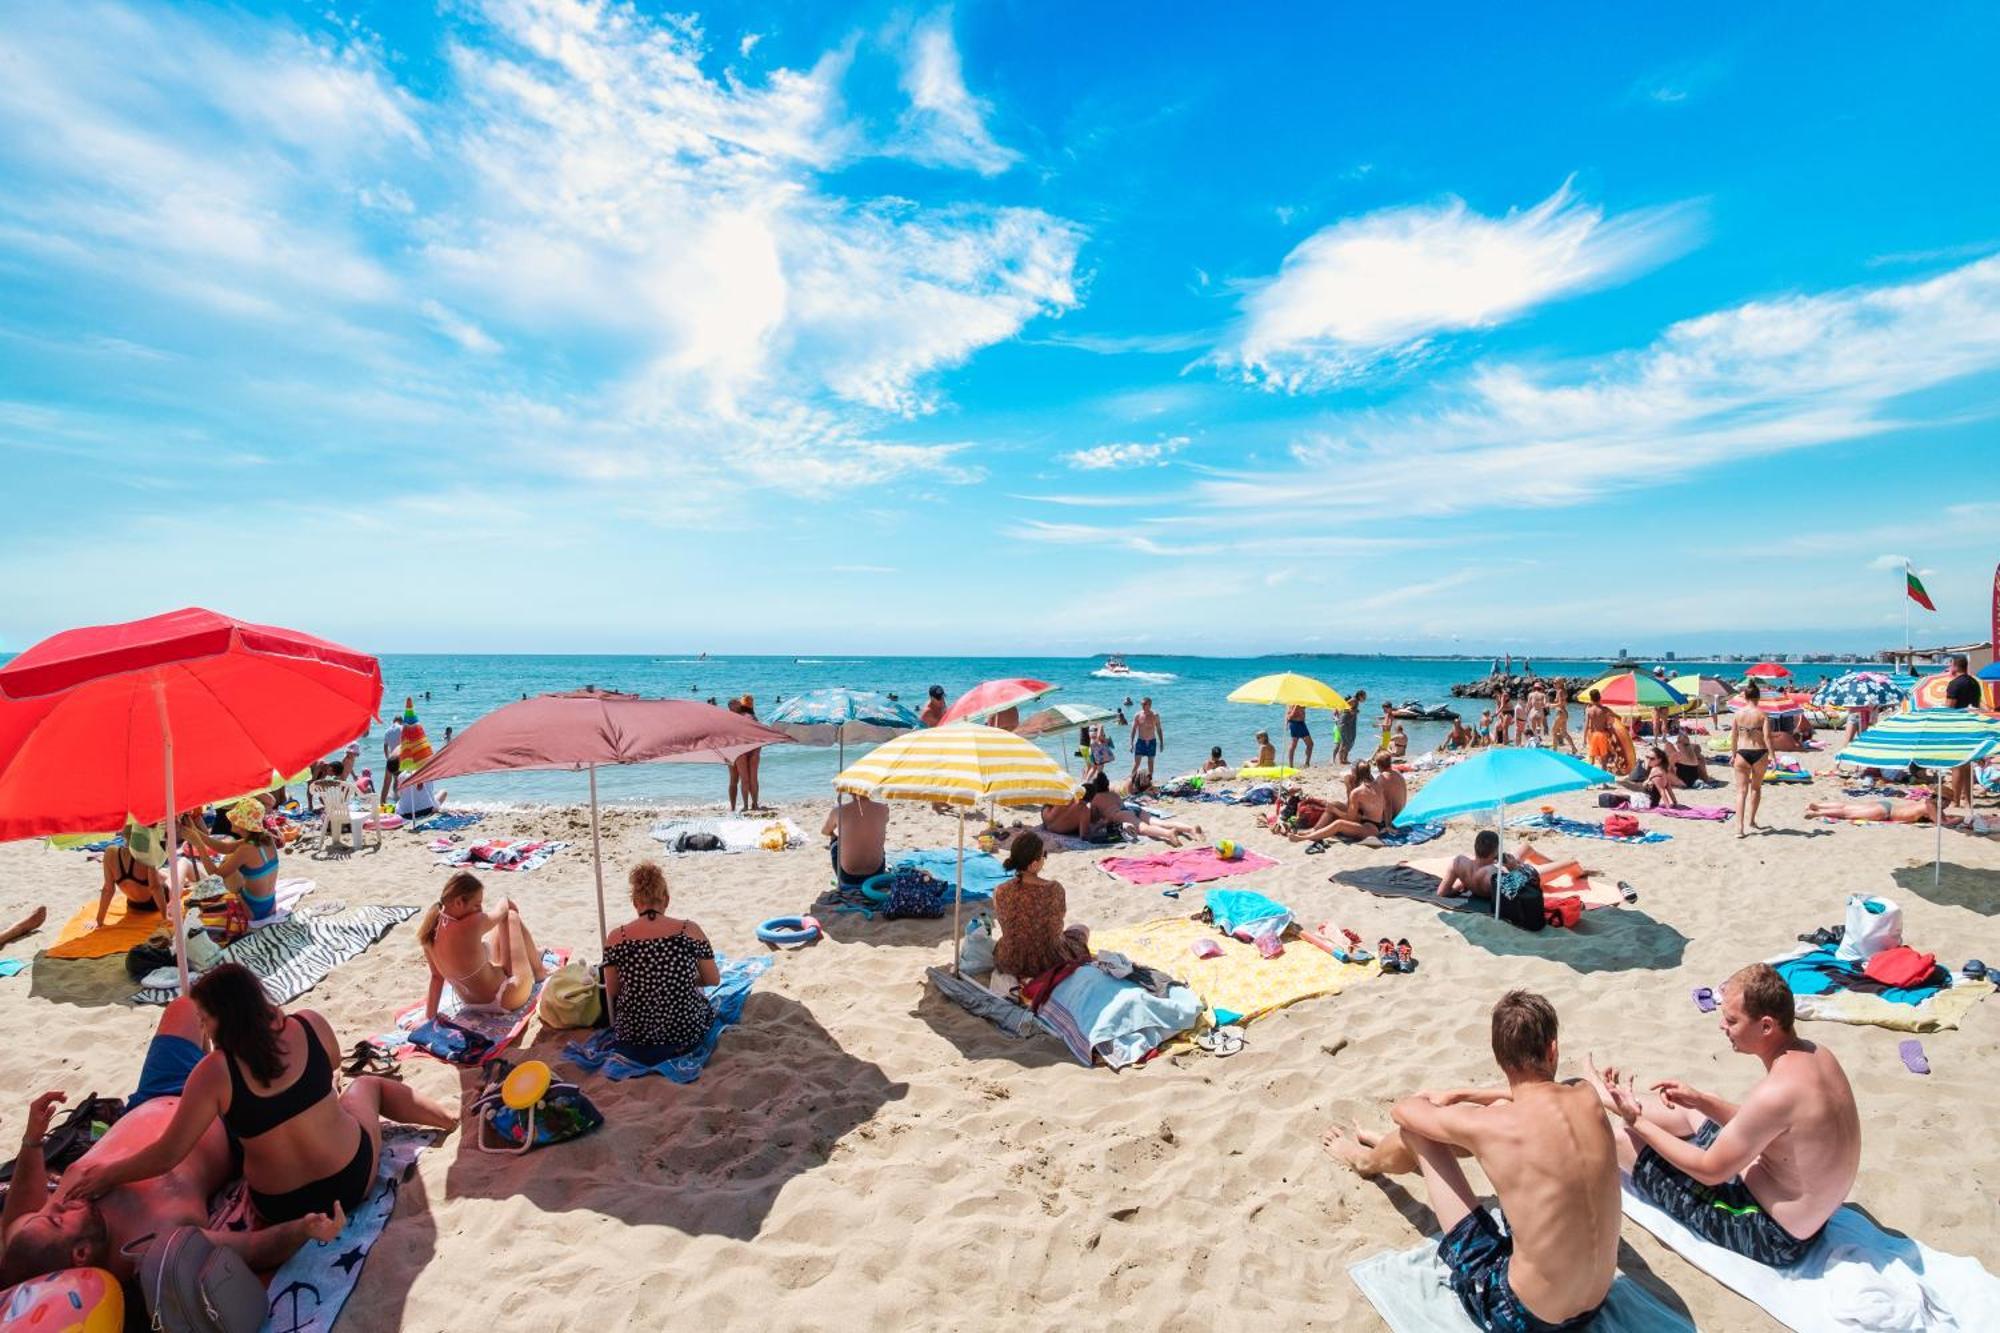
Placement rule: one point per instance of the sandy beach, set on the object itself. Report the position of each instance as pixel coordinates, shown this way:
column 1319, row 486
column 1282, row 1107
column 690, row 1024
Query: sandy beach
column 863, row 1153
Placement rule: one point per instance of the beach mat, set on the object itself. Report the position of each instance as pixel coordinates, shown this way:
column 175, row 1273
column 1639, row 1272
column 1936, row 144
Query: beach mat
column 1857, row 1276
column 471, row 857
column 502, row 1028
column 1239, row 985
column 1931, row 1007
column 1409, row 1290
column 309, row 1289
column 728, row 995
column 81, row 937
column 293, row 956
column 1577, row 828
column 1183, row 865
column 1404, row 881
column 1714, row 814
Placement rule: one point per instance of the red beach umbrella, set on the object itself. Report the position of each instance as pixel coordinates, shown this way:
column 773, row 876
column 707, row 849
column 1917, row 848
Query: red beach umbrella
column 587, row 729
column 156, row 716
column 995, row 696
column 1768, row 671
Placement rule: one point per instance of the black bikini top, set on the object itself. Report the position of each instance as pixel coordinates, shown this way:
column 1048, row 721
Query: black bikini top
column 252, row 1114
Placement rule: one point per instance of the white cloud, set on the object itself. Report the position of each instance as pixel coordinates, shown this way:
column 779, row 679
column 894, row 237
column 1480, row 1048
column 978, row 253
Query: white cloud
column 461, row 331
column 748, row 43
column 945, row 125
column 1733, row 386
column 1374, row 290
column 1103, row 457
column 1889, row 562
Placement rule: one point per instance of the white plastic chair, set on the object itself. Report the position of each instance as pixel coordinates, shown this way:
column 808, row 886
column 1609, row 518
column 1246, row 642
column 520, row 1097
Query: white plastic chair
column 343, row 815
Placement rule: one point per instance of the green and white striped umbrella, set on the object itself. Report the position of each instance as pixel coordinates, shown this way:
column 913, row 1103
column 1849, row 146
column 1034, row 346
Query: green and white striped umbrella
column 1937, row 738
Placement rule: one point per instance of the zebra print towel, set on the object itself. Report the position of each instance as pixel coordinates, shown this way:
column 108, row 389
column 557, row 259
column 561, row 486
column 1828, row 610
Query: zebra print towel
column 294, row 956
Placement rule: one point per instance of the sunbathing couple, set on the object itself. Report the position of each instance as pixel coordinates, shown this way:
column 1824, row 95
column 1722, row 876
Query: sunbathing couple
column 1098, row 810
column 1376, row 794
column 259, row 1102
column 1760, row 1179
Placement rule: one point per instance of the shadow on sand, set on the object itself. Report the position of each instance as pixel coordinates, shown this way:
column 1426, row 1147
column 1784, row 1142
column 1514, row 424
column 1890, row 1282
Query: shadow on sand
column 1610, row 939
column 1956, row 886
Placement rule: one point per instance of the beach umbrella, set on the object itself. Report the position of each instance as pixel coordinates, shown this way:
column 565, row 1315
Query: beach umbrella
column 1774, row 705
column 1930, row 692
column 1492, row 779
column 1635, row 692
column 960, row 765
column 1768, row 671
column 1859, row 689
column 995, row 696
column 836, row 716
column 1288, row 688
column 1064, row 717
column 149, row 718
column 1939, row 739
column 1989, row 672
column 591, row 729
column 1698, row 686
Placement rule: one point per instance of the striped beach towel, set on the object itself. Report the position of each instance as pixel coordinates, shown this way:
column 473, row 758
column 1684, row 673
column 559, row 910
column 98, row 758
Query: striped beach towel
column 294, row 956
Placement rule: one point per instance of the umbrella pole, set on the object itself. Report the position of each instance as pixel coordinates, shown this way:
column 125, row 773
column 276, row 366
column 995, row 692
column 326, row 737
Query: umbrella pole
column 597, row 860
column 1937, row 862
column 958, row 893
column 1501, row 864
column 174, row 913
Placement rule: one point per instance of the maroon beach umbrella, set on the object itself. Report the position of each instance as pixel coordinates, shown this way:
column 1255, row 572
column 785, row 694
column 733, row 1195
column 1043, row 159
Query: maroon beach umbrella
column 588, row 729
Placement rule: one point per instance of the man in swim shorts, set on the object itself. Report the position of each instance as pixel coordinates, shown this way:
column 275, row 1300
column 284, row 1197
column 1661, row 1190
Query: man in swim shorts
column 44, row 1232
column 1472, row 876
column 1761, row 1178
column 1597, row 740
column 859, row 828
column 1295, row 727
column 1550, row 1157
column 1148, row 735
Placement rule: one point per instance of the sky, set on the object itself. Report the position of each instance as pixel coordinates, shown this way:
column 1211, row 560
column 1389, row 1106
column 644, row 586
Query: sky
column 548, row 325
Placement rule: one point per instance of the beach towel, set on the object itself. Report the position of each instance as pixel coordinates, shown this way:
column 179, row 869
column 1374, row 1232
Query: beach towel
column 1098, row 1016
column 595, row 1053
column 1576, row 828
column 1419, row 880
column 1240, row 984
column 1831, row 990
column 1713, row 813
column 1414, row 835
column 82, row 937
column 503, row 854
column 502, row 1028
column 983, row 871
column 448, row 823
column 1246, row 913
column 1410, row 1291
column 12, row 967
column 1857, row 1277
column 293, row 956
column 310, row 1288
column 1183, row 865
column 737, row 834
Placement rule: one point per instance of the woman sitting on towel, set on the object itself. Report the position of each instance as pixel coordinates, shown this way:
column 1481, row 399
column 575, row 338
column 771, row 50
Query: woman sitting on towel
column 1033, row 938
column 654, row 969
column 453, row 935
column 1654, row 776
column 248, row 862
column 144, row 887
column 269, row 1079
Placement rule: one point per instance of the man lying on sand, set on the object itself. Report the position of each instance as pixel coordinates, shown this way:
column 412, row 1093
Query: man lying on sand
column 1761, row 1178
column 44, row 1232
column 1549, row 1154
column 1472, row 876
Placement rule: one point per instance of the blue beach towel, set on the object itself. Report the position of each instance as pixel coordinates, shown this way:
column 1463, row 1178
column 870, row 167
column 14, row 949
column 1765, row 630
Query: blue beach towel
column 1576, row 828
column 12, row 967
column 1411, row 836
column 1246, row 910
column 983, row 874
column 1823, row 971
column 727, row 995
column 450, row 823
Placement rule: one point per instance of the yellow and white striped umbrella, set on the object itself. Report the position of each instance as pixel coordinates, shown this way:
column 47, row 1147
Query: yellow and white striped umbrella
column 963, row 764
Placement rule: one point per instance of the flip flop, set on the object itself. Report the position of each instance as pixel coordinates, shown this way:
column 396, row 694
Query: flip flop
column 1406, row 958
column 367, row 1058
column 1221, row 1041
column 1914, row 1060
column 1704, row 999
column 1631, row 894
column 1974, row 970
column 1385, row 950
column 1315, row 848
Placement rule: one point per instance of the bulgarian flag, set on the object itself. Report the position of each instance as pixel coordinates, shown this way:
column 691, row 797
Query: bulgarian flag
column 1915, row 587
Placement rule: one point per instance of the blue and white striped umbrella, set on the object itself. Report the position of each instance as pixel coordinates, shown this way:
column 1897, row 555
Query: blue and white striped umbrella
column 1860, row 689
column 836, row 716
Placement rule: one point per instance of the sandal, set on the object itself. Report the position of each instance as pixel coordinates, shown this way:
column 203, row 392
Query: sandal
column 1385, row 950
column 1315, row 848
column 1355, row 953
column 1406, row 958
column 1221, row 1041
column 368, row 1059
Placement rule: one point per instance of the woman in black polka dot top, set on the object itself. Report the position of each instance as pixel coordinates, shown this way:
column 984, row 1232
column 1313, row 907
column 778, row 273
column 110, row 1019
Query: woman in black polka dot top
column 654, row 969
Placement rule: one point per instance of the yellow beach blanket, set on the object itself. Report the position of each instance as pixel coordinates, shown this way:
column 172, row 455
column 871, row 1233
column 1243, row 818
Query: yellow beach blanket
column 82, row 937
column 1946, row 1009
column 1241, row 984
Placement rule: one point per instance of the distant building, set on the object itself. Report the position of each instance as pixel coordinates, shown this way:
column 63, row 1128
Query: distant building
column 1670, row 654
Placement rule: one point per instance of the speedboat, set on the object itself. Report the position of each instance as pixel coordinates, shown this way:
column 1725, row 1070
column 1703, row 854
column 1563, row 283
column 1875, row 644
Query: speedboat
column 1414, row 711
column 1115, row 666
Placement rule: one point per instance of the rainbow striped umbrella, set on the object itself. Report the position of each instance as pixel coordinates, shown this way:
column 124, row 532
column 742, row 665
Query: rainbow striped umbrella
column 1635, row 692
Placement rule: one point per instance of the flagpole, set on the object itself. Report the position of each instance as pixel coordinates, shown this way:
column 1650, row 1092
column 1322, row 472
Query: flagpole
column 1907, row 652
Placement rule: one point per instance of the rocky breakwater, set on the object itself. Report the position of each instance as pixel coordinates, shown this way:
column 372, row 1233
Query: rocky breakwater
column 1492, row 686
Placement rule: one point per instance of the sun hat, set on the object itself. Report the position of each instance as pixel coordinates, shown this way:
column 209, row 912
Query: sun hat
column 247, row 815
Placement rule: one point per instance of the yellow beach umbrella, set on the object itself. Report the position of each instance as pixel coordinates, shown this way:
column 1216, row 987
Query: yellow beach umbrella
column 1288, row 688
column 959, row 765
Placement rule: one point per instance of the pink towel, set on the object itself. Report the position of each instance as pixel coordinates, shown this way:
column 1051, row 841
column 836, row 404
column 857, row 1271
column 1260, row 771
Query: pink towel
column 1717, row 813
column 1187, row 865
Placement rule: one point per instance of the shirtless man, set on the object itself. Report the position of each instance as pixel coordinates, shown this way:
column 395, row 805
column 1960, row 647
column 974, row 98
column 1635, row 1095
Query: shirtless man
column 1597, row 739
column 1919, row 809
column 1296, row 728
column 1472, row 876
column 1503, row 718
column 1395, row 790
column 44, row 1232
column 1750, row 755
column 1348, row 722
column 1760, row 1179
column 859, row 828
column 1360, row 816
column 934, row 707
column 1074, row 818
column 1148, row 735
column 1545, row 1147
column 1538, row 711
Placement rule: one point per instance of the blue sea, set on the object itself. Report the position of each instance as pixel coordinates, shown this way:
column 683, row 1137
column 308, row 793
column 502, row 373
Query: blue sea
column 1190, row 694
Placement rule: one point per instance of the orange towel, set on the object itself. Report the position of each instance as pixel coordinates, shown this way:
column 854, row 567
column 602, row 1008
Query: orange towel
column 82, row 937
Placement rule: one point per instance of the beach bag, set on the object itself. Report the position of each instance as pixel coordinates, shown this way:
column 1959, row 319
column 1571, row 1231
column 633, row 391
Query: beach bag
column 1562, row 912
column 975, row 952
column 563, row 1113
column 570, row 998
column 1873, row 925
column 1621, row 826
column 698, row 842
column 193, row 1285
column 1519, row 889
column 917, row 893
column 1613, row 800
column 143, row 959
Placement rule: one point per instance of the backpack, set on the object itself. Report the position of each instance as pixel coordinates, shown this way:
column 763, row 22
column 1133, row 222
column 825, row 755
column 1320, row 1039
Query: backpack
column 918, row 893
column 1562, row 912
column 193, row 1285
column 1520, row 892
column 1621, row 826
column 698, row 842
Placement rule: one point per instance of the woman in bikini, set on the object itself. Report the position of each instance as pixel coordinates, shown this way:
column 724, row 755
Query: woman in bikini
column 145, row 888
column 1106, row 805
column 453, row 935
column 1559, row 737
column 269, row 1079
column 1919, row 809
column 1750, row 749
column 247, row 863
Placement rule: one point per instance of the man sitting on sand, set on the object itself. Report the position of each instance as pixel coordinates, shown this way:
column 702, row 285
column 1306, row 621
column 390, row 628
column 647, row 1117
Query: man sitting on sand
column 1760, row 1179
column 1545, row 1147
column 1216, row 763
column 1394, row 788
column 859, row 828
column 1472, row 876
column 1918, row 809
column 44, row 1232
